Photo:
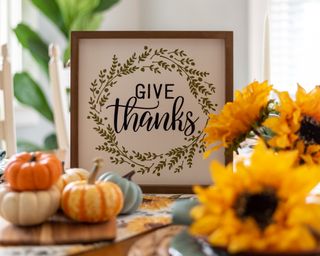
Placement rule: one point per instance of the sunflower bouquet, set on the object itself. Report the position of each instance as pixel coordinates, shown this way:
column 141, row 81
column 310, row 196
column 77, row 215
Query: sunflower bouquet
column 261, row 204
column 285, row 125
column 298, row 124
column 240, row 119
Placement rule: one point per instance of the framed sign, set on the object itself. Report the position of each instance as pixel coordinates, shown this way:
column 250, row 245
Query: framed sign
column 140, row 100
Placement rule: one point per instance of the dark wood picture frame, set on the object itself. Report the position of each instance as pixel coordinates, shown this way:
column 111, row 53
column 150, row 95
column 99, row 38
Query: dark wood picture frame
column 76, row 36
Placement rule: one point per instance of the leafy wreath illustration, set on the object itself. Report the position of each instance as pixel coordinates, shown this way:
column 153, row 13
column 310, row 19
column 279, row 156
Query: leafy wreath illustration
column 156, row 61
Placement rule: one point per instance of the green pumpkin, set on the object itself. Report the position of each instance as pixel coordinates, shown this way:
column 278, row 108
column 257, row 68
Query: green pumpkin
column 132, row 192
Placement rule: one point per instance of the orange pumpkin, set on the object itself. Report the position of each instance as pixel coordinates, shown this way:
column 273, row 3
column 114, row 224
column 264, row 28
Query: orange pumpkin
column 71, row 175
column 92, row 201
column 32, row 171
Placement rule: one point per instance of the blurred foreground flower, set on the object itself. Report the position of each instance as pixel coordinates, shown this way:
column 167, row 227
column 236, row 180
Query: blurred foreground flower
column 261, row 206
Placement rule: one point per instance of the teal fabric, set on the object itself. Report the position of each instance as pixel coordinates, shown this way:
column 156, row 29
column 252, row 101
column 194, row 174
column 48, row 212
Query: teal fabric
column 187, row 245
column 181, row 211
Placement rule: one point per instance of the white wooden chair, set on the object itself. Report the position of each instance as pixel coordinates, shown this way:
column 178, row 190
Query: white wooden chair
column 60, row 103
column 7, row 123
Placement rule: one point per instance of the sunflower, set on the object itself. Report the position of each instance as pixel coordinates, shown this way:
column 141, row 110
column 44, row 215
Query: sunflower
column 251, row 208
column 298, row 124
column 237, row 118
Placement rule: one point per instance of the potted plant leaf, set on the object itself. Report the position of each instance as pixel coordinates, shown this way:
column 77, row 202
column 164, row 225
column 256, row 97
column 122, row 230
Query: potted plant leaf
column 66, row 15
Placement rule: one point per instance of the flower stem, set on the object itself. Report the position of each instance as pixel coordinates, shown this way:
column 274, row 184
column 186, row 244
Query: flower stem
column 256, row 132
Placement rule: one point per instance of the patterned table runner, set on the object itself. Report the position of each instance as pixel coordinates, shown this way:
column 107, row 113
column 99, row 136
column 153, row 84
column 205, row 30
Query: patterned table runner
column 155, row 211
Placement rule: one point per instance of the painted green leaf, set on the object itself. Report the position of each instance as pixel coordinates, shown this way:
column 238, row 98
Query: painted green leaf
column 51, row 10
column 32, row 42
column 105, row 4
column 176, row 158
column 29, row 93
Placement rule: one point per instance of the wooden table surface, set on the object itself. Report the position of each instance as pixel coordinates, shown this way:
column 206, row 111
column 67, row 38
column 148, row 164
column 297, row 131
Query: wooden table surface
column 115, row 249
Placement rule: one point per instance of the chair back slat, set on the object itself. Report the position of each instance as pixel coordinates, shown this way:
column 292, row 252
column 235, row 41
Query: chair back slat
column 60, row 101
column 9, row 131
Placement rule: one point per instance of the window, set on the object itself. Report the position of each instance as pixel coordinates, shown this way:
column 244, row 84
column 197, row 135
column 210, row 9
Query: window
column 295, row 43
column 10, row 16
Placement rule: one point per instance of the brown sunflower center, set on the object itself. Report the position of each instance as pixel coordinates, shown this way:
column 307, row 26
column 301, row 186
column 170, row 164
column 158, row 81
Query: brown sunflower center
column 259, row 206
column 310, row 130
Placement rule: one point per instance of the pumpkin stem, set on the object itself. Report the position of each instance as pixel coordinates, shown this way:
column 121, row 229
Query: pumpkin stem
column 129, row 175
column 97, row 163
column 63, row 170
column 33, row 158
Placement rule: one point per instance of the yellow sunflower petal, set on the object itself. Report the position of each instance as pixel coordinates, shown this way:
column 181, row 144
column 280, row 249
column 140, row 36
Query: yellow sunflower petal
column 198, row 212
column 286, row 125
column 237, row 117
column 240, row 243
column 205, row 225
column 301, row 180
column 219, row 173
column 308, row 215
column 262, row 156
column 309, row 102
column 219, row 238
column 297, row 238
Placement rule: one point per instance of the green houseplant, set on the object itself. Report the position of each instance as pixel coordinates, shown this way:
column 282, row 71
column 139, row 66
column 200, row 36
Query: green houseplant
column 66, row 15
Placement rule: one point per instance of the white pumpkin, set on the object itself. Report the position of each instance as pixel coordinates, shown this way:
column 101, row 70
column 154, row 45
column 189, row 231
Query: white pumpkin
column 28, row 207
column 70, row 175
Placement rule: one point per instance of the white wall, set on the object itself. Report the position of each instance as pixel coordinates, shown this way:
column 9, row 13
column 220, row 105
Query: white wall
column 256, row 25
column 126, row 15
column 231, row 15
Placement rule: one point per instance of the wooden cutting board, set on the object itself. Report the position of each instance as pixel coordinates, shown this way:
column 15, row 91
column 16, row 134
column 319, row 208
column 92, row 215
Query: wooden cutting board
column 57, row 230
